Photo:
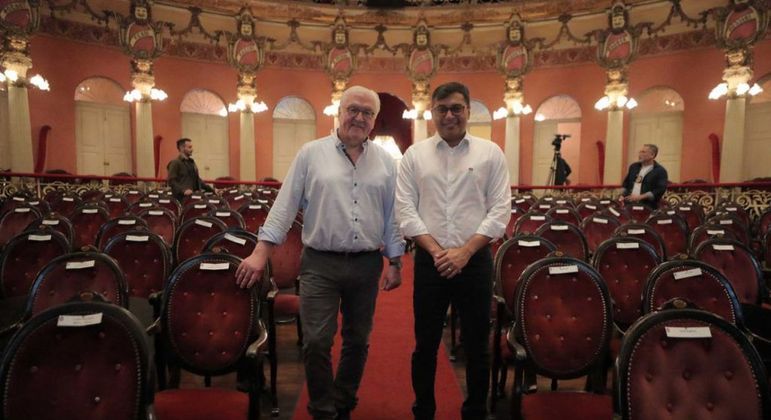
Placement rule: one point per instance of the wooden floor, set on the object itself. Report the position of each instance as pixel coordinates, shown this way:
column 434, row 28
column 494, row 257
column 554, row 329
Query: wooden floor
column 292, row 377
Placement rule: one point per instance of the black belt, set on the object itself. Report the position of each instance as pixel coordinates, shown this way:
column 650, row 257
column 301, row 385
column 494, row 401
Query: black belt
column 346, row 254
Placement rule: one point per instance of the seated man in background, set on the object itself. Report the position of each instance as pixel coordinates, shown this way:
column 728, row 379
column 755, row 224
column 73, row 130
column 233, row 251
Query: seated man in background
column 646, row 181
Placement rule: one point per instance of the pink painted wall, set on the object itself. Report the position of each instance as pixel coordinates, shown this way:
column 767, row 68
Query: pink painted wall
column 692, row 74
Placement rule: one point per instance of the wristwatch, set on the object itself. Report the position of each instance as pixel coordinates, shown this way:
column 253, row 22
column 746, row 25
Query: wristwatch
column 395, row 262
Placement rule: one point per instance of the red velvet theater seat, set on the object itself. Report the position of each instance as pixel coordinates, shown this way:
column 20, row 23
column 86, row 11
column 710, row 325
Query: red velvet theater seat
column 673, row 231
column 638, row 212
column 117, row 205
column 15, row 221
column 161, row 221
column 233, row 241
column 194, row 209
column 232, row 218
column 597, row 229
column 562, row 331
column 145, row 259
column 737, row 262
column 211, row 327
column 530, row 222
column 565, row 213
column 193, row 234
column 56, row 222
column 118, row 225
column 86, row 221
column 25, row 255
column 96, row 371
column 692, row 212
column 731, row 222
column 254, row 215
column 708, row 231
column 567, row 237
column 644, row 232
column 516, row 213
column 663, row 376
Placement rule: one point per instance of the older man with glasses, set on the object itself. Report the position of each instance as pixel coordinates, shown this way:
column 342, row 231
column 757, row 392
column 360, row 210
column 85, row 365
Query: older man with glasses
column 453, row 198
column 345, row 186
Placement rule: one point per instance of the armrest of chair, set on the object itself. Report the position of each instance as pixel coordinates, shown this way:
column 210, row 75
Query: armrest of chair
column 520, row 354
column 154, row 328
column 254, row 349
column 271, row 295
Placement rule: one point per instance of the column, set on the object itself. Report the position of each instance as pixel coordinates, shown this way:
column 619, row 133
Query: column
column 248, row 167
column 732, row 149
column 19, row 130
column 419, row 129
column 511, row 148
column 145, row 155
column 614, row 137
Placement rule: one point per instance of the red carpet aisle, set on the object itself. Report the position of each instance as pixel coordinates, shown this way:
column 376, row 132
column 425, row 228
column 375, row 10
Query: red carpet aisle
column 386, row 390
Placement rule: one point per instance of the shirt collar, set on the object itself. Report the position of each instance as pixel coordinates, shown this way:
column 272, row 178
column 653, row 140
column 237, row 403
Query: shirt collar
column 439, row 141
column 339, row 143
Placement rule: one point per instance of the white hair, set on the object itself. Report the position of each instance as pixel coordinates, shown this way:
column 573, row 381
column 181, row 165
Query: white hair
column 361, row 90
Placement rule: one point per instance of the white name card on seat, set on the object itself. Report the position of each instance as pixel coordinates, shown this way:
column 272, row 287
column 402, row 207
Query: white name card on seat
column 536, row 217
column 39, row 238
column 115, row 200
column 685, row 208
column 222, row 214
column 519, row 201
column 240, row 197
column 544, row 206
column 664, row 222
column 155, row 212
column 585, row 199
column 248, row 194
column 268, row 192
column 22, row 210
column 615, row 213
column 164, row 201
column 127, row 222
column 600, row 220
column 638, row 208
column 562, row 211
column 565, row 269
column 199, row 206
column 203, row 223
column 109, row 195
column 213, row 201
column 153, row 195
column 670, row 212
column 726, row 222
column 529, row 244
column 527, row 196
column 79, row 320
column 196, row 197
column 715, row 232
column 34, row 203
column 90, row 211
column 233, row 191
column 214, row 266
column 137, row 238
column 562, row 201
column 694, row 272
column 688, row 332
column 18, row 198
column 731, row 209
column 559, row 227
column 261, row 201
column 50, row 222
column 145, row 204
column 548, row 199
column 255, row 207
column 513, row 211
column 636, row 231
column 69, row 199
column 724, row 247
column 235, row 239
column 133, row 192
column 591, row 207
column 78, row 265
column 604, row 201
column 627, row 245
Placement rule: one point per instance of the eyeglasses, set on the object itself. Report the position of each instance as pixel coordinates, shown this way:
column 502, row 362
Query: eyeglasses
column 456, row 109
column 354, row 111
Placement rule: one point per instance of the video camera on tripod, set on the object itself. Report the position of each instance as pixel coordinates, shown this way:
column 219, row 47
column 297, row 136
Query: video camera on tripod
column 558, row 139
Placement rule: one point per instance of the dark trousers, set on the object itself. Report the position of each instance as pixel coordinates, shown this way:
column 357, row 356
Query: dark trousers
column 470, row 292
column 332, row 283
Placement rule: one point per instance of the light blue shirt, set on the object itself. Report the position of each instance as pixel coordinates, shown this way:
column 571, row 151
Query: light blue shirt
column 346, row 207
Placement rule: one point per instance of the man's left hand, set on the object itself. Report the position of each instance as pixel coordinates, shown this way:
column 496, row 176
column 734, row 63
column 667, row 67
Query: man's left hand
column 392, row 278
column 635, row 198
column 451, row 261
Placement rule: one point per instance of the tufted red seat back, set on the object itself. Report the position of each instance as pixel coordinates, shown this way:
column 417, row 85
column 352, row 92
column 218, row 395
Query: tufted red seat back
column 766, row 250
column 25, row 255
column 597, row 229
column 68, row 275
column 56, row 222
column 145, row 259
column 666, row 377
column 691, row 212
column 86, row 221
column 739, row 265
column 625, row 263
column 91, row 372
column 193, row 234
column 234, row 241
column 644, row 232
column 763, row 223
column 66, row 204
column 736, row 210
column 116, row 205
column 254, row 215
column 141, row 205
column 563, row 316
column 523, row 202
column 516, row 213
column 696, row 283
column 169, row 203
column 208, row 321
column 638, row 212
column 118, row 225
column 285, row 261
column 587, row 209
column 511, row 260
column 232, row 218
column 565, row 213
column 160, row 221
column 709, row 231
column 132, row 196
column 195, row 209
column 234, row 198
column 673, row 231
column 567, row 237
column 15, row 221
column 530, row 222
column 731, row 222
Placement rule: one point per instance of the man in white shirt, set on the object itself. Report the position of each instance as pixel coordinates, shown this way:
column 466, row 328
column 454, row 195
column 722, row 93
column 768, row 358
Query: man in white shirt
column 453, row 197
column 345, row 186
column 646, row 181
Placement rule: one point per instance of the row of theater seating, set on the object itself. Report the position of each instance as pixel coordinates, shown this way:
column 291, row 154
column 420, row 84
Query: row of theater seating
column 691, row 354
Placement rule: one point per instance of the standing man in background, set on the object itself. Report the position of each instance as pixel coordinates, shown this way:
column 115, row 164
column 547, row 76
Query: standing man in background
column 183, row 175
column 453, row 198
column 345, row 184
column 646, row 181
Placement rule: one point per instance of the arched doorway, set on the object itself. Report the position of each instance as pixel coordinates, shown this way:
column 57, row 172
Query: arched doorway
column 102, row 128
column 480, row 122
column 559, row 114
column 658, row 119
column 294, row 124
column 205, row 122
column 757, row 140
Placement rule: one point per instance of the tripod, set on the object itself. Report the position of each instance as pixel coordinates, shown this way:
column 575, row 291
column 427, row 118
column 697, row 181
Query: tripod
column 559, row 169
column 555, row 161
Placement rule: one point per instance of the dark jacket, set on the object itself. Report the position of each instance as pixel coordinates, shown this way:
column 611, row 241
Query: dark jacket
column 183, row 175
column 654, row 181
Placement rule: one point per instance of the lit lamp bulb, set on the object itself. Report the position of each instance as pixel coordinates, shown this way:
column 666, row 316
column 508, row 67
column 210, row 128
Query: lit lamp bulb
column 631, row 104
column 742, row 89
column 603, row 103
column 39, row 82
column 755, row 89
column 718, row 91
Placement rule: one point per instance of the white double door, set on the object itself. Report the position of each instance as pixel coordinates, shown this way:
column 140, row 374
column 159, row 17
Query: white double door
column 288, row 138
column 209, row 134
column 665, row 130
column 103, row 139
column 757, row 142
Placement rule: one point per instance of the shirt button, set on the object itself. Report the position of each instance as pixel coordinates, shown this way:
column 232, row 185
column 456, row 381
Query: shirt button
column 355, row 219
column 356, row 237
column 355, row 201
column 355, row 184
